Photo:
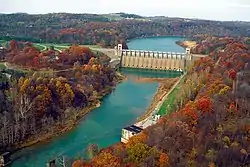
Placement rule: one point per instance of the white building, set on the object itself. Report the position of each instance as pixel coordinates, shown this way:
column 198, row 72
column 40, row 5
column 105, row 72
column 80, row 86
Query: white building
column 129, row 131
column 7, row 75
column 5, row 159
column 132, row 130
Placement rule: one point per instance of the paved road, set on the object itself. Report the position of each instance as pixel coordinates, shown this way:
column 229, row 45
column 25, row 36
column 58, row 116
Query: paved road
column 44, row 47
column 8, row 67
column 55, row 47
column 109, row 52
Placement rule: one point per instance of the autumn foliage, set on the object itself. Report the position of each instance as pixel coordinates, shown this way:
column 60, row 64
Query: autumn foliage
column 48, row 103
column 107, row 30
column 140, row 138
column 28, row 56
column 164, row 160
column 204, row 104
column 210, row 123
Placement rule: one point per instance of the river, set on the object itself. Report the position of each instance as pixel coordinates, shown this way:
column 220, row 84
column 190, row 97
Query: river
column 103, row 125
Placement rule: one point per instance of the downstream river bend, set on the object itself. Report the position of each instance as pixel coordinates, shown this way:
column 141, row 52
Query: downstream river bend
column 103, row 125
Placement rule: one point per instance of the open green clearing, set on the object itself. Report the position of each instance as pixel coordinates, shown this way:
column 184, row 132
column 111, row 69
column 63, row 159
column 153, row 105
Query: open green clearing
column 62, row 46
column 44, row 46
column 168, row 104
column 3, row 43
column 2, row 66
column 40, row 47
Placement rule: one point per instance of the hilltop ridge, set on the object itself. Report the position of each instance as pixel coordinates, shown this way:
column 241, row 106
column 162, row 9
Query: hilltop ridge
column 109, row 29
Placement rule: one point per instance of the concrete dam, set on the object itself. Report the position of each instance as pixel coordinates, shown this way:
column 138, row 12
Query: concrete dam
column 153, row 60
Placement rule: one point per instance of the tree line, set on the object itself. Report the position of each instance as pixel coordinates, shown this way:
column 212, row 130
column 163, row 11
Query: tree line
column 97, row 29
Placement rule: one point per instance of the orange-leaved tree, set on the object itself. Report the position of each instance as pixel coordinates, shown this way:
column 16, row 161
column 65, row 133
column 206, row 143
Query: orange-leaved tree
column 140, row 138
column 232, row 75
column 204, row 104
column 164, row 160
column 190, row 112
column 106, row 159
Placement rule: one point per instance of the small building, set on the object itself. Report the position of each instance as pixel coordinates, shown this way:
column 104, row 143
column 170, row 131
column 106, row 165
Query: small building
column 51, row 163
column 133, row 130
column 7, row 75
column 188, row 51
column 156, row 117
column 5, row 159
column 129, row 131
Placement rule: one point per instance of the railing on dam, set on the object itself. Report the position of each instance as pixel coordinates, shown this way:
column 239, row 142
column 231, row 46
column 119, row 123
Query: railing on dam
column 153, row 60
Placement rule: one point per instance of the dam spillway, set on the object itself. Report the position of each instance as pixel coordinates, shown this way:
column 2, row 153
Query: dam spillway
column 153, row 60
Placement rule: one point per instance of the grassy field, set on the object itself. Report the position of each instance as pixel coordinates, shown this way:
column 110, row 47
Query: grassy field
column 2, row 66
column 43, row 46
column 3, row 43
column 168, row 104
column 39, row 46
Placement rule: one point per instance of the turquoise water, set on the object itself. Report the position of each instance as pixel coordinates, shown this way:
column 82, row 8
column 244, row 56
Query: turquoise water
column 103, row 125
column 164, row 44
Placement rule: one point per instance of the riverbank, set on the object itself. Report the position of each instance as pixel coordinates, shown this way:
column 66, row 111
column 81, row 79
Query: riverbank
column 57, row 129
column 187, row 44
column 165, row 85
column 60, row 128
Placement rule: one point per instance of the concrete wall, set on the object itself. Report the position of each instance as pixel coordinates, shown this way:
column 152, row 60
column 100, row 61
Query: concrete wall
column 153, row 60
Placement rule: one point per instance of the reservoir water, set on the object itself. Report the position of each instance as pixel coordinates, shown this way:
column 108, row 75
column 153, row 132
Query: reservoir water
column 103, row 125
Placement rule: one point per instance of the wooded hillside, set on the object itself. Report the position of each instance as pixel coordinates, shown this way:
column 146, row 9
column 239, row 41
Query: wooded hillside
column 100, row 29
column 210, row 126
column 42, row 103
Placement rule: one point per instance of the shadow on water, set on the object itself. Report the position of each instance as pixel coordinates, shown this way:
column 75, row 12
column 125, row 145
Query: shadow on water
column 144, row 73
